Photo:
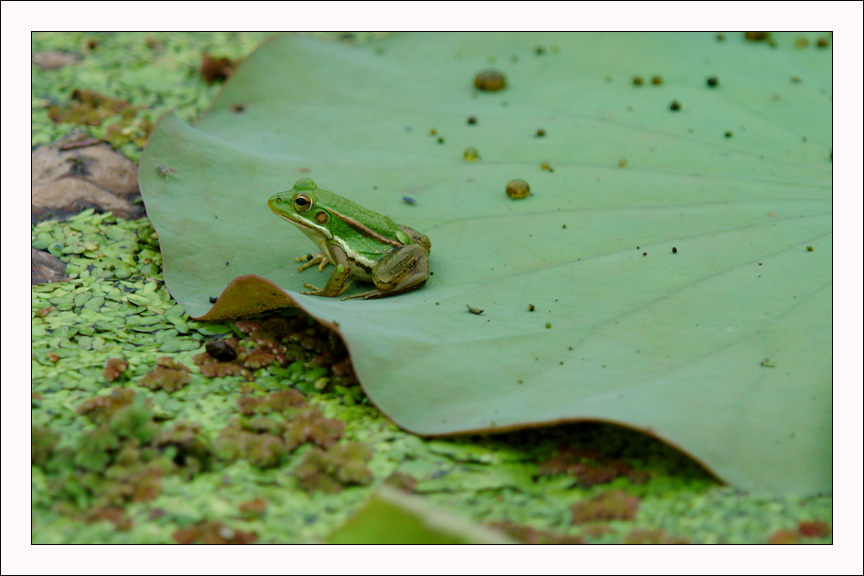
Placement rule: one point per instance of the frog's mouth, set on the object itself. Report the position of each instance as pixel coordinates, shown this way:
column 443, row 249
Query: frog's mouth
column 313, row 232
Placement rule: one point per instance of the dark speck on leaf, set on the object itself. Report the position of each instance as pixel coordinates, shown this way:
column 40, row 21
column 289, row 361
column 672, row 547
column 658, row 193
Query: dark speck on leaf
column 674, row 250
column 164, row 171
column 213, row 299
column 728, row 134
column 541, row 132
column 657, row 80
column 409, row 200
column 440, row 140
column 757, row 36
column 711, row 81
column 472, row 120
column 238, row 107
column 530, row 307
column 637, row 80
column 675, row 106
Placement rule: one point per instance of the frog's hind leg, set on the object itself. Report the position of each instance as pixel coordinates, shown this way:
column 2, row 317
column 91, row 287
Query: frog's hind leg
column 419, row 238
column 403, row 270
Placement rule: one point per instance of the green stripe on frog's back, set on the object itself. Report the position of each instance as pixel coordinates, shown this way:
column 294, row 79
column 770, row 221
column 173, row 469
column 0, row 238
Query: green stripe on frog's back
column 365, row 222
column 368, row 232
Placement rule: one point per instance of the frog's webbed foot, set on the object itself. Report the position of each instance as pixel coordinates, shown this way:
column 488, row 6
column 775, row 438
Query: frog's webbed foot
column 319, row 258
column 370, row 295
column 328, row 290
column 401, row 289
column 315, row 291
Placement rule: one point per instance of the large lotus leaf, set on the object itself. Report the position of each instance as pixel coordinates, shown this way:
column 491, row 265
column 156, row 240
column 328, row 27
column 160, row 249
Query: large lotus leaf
column 685, row 292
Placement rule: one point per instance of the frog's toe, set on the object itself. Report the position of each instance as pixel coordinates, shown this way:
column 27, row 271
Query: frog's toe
column 355, row 296
column 309, row 263
column 311, row 260
column 367, row 295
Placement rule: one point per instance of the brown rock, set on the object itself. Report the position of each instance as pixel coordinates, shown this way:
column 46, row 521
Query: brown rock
column 67, row 179
column 53, row 59
column 45, row 268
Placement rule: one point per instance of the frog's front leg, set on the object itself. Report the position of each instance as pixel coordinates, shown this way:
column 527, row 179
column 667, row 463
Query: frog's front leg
column 402, row 270
column 339, row 280
column 319, row 258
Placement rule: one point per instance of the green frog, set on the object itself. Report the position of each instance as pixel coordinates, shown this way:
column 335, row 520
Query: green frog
column 361, row 244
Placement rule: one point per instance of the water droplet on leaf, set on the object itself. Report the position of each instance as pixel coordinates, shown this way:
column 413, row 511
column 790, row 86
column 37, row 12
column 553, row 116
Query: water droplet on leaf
column 518, row 189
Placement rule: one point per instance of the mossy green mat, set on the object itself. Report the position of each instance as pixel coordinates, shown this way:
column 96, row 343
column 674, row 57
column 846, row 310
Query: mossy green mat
column 116, row 305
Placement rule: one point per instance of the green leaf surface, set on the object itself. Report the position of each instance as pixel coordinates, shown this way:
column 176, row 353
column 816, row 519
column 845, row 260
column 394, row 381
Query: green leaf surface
column 391, row 517
column 680, row 276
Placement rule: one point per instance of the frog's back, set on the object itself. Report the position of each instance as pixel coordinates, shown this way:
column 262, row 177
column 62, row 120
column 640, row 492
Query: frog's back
column 357, row 217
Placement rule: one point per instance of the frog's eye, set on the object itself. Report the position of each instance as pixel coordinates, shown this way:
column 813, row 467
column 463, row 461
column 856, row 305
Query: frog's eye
column 302, row 203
